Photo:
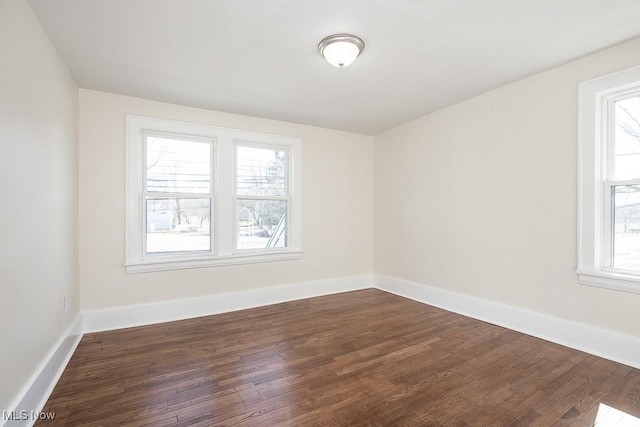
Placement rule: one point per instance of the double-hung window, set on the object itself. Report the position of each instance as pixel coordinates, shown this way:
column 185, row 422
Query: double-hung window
column 609, row 182
column 201, row 196
column 262, row 196
column 177, row 194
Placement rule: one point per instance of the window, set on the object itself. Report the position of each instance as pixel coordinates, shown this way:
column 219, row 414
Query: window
column 262, row 197
column 609, row 182
column 201, row 196
column 622, row 185
column 178, row 193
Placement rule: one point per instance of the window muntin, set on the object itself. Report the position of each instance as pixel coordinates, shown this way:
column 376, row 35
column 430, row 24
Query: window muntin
column 262, row 197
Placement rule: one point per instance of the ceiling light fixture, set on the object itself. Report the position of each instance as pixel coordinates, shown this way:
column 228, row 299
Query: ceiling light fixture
column 341, row 50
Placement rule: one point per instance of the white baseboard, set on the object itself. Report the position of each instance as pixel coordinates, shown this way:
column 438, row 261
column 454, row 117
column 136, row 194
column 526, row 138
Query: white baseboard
column 597, row 341
column 600, row 342
column 147, row 314
column 37, row 390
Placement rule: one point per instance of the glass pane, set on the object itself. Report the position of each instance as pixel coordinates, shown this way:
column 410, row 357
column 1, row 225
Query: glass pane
column 262, row 224
column 178, row 225
column 261, row 172
column 178, row 166
column 626, row 239
column 627, row 138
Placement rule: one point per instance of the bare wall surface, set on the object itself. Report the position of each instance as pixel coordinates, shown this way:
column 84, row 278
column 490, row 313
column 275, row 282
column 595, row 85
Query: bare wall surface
column 337, row 201
column 38, row 189
column 480, row 198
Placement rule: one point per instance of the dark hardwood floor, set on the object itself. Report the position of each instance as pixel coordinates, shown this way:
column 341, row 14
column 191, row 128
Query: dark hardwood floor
column 360, row 358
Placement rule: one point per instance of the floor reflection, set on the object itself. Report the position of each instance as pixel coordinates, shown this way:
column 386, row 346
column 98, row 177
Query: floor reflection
column 612, row 417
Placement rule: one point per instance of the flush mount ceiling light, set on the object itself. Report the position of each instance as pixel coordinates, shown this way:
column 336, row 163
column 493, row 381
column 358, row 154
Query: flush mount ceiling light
column 341, row 50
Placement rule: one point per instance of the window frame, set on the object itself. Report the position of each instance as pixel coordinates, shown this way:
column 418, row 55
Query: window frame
column 222, row 193
column 236, row 197
column 610, row 181
column 145, row 194
column 596, row 129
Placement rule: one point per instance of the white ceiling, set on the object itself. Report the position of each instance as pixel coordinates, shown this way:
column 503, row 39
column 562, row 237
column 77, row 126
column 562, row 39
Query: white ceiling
column 260, row 58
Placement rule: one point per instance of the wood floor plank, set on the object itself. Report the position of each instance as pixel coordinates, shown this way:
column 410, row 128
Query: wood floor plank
column 365, row 358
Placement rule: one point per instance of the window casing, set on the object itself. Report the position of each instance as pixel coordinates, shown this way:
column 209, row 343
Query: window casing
column 609, row 181
column 182, row 196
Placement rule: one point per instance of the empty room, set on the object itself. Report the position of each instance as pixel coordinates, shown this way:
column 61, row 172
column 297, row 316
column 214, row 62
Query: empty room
column 329, row 213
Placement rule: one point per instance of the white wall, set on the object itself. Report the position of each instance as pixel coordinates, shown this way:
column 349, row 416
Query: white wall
column 337, row 208
column 480, row 198
column 38, row 208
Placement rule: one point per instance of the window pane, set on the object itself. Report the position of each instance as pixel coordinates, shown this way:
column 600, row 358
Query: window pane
column 626, row 211
column 178, row 166
column 261, row 172
column 627, row 138
column 262, row 224
column 178, row 225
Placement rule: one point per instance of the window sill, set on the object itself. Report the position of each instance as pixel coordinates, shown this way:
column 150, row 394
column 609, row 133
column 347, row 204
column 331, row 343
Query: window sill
column 610, row 280
column 182, row 263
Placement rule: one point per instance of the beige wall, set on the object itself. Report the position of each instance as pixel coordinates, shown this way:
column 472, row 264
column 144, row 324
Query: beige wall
column 38, row 182
column 480, row 198
column 337, row 203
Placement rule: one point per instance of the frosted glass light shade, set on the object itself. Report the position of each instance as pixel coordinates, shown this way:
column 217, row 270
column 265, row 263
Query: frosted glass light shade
column 340, row 50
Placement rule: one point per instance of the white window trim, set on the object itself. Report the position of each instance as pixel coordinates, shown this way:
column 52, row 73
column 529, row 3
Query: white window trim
column 593, row 241
column 223, row 195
